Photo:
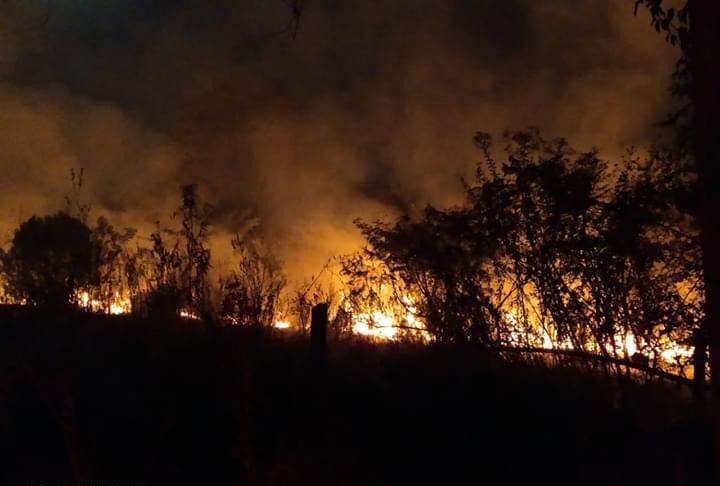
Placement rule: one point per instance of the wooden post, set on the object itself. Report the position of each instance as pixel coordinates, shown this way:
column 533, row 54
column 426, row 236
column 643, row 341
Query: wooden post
column 318, row 334
column 705, row 70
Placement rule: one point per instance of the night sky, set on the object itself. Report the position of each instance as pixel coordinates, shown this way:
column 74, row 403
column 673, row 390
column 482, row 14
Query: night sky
column 368, row 111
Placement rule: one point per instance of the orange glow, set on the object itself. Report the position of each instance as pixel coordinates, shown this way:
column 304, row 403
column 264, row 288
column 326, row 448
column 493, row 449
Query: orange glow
column 375, row 325
column 118, row 304
column 186, row 313
column 281, row 325
column 394, row 320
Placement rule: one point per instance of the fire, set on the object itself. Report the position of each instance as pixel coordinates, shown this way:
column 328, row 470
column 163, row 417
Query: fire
column 377, row 325
column 676, row 352
column 281, row 324
column 118, row 304
column 397, row 319
column 624, row 345
column 186, row 313
column 121, row 307
column 386, row 325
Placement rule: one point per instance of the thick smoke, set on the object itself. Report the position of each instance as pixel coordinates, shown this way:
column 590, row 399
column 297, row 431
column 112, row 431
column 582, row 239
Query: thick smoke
column 368, row 111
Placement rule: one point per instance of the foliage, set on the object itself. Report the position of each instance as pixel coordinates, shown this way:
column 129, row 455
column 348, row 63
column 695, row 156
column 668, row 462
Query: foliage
column 195, row 220
column 376, row 296
column 112, row 258
column 553, row 244
column 675, row 24
column 49, row 259
column 74, row 205
column 165, row 283
column 251, row 293
column 175, row 269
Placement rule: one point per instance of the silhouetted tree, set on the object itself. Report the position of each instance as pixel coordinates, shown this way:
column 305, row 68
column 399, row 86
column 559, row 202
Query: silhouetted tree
column 375, row 295
column 601, row 254
column 695, row 27
column 251, row 294
column 195, row 220
column 74, row 204
column 444, row 268
column 165, row 296
column 550, row 244
column 49, row 259
column 111, row 258
column 175, row 268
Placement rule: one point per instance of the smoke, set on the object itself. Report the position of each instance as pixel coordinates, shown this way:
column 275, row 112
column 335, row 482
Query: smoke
column 369, row 111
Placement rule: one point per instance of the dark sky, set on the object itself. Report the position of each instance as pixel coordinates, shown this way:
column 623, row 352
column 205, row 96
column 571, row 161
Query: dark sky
column 372, row 107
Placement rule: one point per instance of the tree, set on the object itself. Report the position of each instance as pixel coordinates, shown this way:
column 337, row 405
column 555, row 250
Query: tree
column 49, row 259
column 175, row 270
column 251, row 294
column 164, row 282
column 550, row 248
column 112, row 259
column 440, row 261
column 696, row 28
column 597, row 256
column 195, row 220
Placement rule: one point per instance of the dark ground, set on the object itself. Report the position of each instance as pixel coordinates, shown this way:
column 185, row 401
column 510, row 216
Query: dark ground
column 118, row 398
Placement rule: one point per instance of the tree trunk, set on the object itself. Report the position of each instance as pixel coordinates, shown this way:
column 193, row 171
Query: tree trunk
column 705, row 69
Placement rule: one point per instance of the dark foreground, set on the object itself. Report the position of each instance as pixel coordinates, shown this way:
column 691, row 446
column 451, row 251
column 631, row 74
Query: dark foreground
column 87, row 398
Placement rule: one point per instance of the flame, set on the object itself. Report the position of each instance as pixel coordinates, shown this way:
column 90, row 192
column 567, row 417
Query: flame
column 120, row 307
column 186, row 313
column 377, row 325
column 118, row 304
column 624, row 345
column 281, row 324
column 675, row 352
column 386, row 326
column 392, row 322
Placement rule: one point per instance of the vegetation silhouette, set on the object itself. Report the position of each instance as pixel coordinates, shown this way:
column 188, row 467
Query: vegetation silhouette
column 550, row 242
column 49, row 259
column 557, row 242
column 693, row 26
column 251, row 294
